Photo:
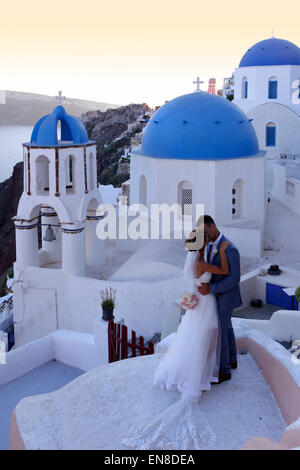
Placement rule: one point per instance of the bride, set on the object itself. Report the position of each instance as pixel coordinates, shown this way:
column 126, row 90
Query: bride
column 189, row 366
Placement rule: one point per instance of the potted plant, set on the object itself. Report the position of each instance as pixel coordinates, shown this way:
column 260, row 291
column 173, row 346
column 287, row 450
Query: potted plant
column 108, row 297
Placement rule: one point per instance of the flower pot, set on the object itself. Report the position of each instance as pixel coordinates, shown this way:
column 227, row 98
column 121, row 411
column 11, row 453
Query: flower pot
column 107, row 315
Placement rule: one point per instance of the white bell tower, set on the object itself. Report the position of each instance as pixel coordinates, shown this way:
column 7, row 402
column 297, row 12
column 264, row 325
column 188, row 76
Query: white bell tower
column 61, row 195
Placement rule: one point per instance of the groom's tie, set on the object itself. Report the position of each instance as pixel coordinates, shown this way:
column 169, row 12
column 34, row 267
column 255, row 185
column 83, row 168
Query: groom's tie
column 209, row 252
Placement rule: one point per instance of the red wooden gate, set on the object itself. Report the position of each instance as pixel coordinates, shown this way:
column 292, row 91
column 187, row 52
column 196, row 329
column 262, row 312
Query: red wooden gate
column 118, row 344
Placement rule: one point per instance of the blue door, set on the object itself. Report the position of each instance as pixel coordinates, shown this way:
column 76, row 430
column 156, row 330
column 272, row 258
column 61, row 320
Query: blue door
column 276, row 296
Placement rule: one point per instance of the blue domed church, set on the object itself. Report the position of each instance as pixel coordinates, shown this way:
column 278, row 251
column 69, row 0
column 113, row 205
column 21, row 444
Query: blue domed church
column 267, row 88
column 202, row 149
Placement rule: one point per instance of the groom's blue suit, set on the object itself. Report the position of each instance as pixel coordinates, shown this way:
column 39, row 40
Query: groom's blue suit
column 227, row 292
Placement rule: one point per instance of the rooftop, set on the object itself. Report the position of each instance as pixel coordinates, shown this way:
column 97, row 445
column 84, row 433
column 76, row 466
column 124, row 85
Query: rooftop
column 199, row 126
column 103, row 407
column 46, row 378
column 272, row 51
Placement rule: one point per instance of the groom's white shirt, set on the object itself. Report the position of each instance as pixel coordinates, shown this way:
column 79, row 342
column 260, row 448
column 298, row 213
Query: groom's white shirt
column 214, row 245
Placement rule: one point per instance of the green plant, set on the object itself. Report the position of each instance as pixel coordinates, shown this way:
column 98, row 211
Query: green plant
column 108, row 304
column 297, row 294
column 10, row 272
column 108, row 297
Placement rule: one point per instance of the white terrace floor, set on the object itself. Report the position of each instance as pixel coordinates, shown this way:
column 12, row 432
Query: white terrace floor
column 119, row 399
column 47, row 378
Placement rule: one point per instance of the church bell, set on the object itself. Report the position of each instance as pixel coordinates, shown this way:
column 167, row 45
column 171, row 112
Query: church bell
column 49, row 235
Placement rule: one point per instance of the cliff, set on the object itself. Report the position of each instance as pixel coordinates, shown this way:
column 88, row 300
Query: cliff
column 10, row 193
column 113, row 130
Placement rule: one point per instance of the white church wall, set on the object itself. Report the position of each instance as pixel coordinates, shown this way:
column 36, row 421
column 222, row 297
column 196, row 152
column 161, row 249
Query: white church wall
column 212, row 183
column 250, row 173
column 258, row 80
column 287, row 128
column 160, row 172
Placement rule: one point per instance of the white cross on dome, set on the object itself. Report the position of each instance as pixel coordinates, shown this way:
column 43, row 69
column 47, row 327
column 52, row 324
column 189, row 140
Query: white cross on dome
column 198, row 83
column 60, row 98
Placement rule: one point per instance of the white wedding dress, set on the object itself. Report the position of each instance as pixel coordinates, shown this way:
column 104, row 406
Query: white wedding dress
column 192, row 361
column 189, row 366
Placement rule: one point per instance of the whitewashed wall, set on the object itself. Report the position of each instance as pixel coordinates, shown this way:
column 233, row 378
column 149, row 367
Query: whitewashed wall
column 287, row 128
column 258, row 78
column 212, row 183
column 281, row 184
column 76, row 303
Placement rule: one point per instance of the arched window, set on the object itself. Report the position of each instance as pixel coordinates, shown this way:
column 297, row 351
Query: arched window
column 42, row 174
column 237, row 199
column 245, row 88
column 91, row 171
column 272, row 92
column 70, row 173
column 143, row 190
column 185, row 198
column 270, row 134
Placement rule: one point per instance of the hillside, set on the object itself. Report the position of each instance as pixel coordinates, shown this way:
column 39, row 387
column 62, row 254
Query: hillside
column 20, row 108
column 113, row 130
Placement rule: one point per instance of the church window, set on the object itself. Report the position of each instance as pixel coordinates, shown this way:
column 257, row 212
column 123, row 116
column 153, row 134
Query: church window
column 70, row 174
column 143, row 190
column 270, row 134
column 237, row 208
column 91, row 171
column 272, row 93
column 245, row 88
column 185, row 196
column 42, row 174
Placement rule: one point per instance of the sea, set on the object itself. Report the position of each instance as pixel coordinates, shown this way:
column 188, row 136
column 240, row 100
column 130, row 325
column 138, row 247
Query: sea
column 11, row 151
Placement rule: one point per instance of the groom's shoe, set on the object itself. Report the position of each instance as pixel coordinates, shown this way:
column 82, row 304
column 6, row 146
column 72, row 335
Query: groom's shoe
column 233, row 365
column 222, row 378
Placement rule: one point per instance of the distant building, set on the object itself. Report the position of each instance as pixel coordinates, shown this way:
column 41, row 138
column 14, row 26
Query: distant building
column 228, row 87
column 212, row 86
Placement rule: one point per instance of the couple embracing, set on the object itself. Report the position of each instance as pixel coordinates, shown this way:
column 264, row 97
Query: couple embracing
column 203, row 350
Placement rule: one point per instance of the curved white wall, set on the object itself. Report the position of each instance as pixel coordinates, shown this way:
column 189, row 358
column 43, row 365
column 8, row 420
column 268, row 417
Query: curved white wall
column 287, row 128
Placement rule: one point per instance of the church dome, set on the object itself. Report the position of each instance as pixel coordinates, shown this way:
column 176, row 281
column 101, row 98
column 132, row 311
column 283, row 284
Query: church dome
column 72, row 130
column 199, row 126
column 271, row 51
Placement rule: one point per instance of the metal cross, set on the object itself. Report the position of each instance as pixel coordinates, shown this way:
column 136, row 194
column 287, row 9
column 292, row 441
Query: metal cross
column 198, row 83
column 60, row 98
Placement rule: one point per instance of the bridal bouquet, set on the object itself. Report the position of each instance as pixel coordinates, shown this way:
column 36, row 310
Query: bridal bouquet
column 188, row 300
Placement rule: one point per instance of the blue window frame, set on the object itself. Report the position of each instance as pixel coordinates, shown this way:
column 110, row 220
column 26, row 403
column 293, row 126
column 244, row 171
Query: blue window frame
column 270, row 135
column 273, row 89
column 245, row 89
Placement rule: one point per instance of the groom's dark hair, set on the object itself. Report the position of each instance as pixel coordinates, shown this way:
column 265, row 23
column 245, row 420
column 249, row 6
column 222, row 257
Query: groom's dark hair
column 205, row 219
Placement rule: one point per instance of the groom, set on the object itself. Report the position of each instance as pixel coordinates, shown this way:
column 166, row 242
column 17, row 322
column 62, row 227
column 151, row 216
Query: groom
column 226, row 289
